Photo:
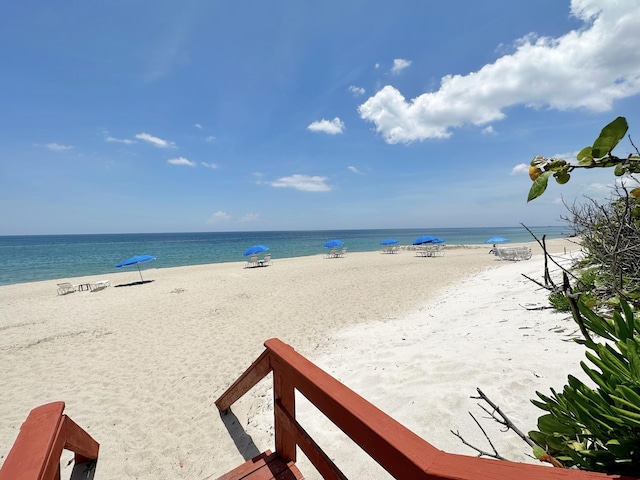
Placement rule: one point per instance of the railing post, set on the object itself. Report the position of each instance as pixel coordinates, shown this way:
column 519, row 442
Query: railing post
column 284, row 403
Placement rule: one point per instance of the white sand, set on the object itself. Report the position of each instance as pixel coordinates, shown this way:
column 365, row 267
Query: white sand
column 140, row 367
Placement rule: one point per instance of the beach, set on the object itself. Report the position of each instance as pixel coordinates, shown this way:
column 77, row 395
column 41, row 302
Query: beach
column 140, row 366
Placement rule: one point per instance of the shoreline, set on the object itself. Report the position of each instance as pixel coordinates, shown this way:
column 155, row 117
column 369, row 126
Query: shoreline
column 139, row 367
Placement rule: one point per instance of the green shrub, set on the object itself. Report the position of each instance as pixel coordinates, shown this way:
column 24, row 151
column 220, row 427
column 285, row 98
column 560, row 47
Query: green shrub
column 598, row 428
column 559, row 302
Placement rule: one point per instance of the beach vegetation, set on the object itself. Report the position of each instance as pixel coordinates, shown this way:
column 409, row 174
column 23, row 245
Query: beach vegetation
column 598, row 155
column 597, row 428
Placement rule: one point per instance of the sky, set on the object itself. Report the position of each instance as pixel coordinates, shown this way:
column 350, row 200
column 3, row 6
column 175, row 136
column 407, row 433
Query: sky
column 195, row 116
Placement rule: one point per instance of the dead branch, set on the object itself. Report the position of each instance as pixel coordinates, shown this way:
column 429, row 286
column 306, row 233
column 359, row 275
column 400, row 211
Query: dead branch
column 502, row 419
column 481, row 452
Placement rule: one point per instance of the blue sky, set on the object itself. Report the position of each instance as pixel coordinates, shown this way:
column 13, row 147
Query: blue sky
column 130, row 116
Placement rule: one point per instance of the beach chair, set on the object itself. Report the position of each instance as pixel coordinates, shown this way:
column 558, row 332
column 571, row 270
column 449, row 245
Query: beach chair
column 343, row 253
column 99, row 285
column 331, row 254
column 266, row 261
column 66, row 287
column 252, row 262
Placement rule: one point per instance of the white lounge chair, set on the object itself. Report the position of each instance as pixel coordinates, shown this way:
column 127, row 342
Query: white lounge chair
column 66, row 287
column 513, row 253
column 99, row 285
column 252, row 262
column 266, row 261
column 332, row 254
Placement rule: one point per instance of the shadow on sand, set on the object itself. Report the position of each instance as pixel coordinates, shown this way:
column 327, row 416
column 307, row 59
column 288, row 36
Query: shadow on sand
column 244, row 442
column 134, row 283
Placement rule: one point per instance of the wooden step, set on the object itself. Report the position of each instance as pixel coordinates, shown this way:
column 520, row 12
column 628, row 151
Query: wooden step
column 266, row 466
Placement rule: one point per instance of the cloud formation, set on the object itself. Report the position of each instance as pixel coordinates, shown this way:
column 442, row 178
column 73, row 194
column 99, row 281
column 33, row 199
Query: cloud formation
column 219, row 217
column 155, row 141
column 56, row 147
column 588, row 68
column 332, row 127
column 357, row 91
column 181, row 161
column 400, row 64
column 306, row 183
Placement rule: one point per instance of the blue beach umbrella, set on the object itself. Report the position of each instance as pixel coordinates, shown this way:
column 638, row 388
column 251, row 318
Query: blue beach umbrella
column 333, row 243
column 255, row 249
column 497, row 240
column 137, row 260
column 427, row 239
column 389, row 241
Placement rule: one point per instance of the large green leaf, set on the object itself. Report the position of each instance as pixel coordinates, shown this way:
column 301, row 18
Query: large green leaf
column 609, row 137
column 539, row 186
column 585, row 157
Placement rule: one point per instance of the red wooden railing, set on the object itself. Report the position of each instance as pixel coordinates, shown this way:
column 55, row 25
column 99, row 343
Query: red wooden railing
column 35, row 455
column 397, row 449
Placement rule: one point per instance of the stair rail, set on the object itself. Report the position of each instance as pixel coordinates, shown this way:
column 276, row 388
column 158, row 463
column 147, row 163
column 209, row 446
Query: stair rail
column 35, row 454
column 397, row 449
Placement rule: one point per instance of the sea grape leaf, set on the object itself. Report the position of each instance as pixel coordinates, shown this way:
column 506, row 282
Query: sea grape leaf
column 609, row 137
column 539, row 186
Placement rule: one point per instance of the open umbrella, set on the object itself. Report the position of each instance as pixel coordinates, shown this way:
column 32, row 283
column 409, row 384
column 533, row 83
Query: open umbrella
column 389, row 241
column 427, row 239
column 255, row 249
column 333, row 243
column 137, row 260
column 497, row 240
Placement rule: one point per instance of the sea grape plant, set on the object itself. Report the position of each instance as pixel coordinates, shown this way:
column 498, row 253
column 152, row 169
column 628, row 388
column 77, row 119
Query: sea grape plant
column 599, row 155
column 597, row 428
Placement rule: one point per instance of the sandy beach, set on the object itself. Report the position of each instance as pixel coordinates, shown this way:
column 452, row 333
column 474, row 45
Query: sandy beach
column 140, row 366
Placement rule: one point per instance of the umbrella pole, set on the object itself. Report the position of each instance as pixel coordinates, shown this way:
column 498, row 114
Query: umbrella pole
column 138, row 265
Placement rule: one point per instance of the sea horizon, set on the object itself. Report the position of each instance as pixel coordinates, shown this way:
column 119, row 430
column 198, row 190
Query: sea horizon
column 31, row 258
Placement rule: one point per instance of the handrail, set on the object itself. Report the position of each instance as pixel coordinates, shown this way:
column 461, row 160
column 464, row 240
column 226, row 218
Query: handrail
column 35, row 454
column 397, row 449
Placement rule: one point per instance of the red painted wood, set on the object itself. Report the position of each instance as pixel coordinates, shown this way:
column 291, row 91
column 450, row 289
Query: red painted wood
column 251, row 376
column 35, row 454
column 325, row 466
column 284, row 397
column 398, row 450
column 79, row 441
column 26, row 459
column 266, row 466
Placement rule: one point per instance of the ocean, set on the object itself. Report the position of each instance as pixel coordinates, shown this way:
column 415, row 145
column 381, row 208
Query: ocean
column 32, row 258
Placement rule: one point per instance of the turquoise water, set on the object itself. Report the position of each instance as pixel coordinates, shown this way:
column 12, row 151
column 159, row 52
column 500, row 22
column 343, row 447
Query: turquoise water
column 48, row 257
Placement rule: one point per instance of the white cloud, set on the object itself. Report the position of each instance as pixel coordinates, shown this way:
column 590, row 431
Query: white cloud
column 588, row 68
column 305, row 183
column 210, row 138
column 219, row 217
column 126, row 141
column 357, row 91
column 521, row 168
column 332, row 127
column 376, row 66
column 250, row 217
column 488, row 130
column 209, row 165
column 353, row 169
column 155, row 141
column 56, row 147
column 400, row 64
column 181, row 161
column 198, row 126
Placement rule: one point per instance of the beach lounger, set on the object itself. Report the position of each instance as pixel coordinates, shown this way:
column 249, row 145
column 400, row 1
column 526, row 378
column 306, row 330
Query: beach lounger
column 66, row 287
column 266, row 261
column 100, row 285
column 252, row 262
column 331, row 254
column 513, row 253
